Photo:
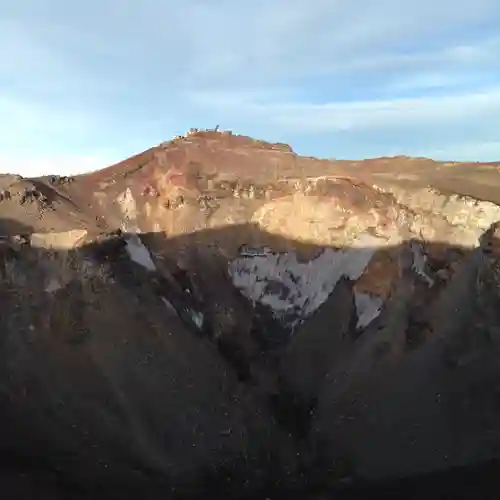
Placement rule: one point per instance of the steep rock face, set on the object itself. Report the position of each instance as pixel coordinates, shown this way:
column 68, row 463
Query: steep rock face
column 101, row 379
column 219, row 299
column 307, row 359
column 418, row 394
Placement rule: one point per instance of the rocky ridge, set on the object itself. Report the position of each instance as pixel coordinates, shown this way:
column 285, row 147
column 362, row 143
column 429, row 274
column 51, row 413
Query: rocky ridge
column 221, row 311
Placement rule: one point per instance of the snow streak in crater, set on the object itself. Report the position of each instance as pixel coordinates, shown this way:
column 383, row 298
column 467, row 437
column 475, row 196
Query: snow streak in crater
column 368, row 307
column 138, row 252
column 286, row 285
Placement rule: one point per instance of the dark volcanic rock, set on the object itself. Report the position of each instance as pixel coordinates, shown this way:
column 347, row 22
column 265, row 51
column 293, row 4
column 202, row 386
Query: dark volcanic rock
column 218, row 314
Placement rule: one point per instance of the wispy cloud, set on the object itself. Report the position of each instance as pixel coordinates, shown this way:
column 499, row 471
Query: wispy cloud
column 335, row 78
column 362, row 114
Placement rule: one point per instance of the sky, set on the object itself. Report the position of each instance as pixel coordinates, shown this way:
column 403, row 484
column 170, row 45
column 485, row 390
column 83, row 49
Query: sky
column 86, row 84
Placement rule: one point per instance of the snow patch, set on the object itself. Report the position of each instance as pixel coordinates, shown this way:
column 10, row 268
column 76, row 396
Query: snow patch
column 197, row 318
column 368, row 307
column 53, row 286
column 169, row 305
column 138, row 252
column 420, row 262
column 286, row 285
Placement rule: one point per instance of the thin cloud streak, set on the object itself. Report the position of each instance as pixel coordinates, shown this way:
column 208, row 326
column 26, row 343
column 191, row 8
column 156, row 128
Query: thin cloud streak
column 341, row 116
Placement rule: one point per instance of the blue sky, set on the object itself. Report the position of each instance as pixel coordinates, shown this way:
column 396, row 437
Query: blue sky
column 86, row 84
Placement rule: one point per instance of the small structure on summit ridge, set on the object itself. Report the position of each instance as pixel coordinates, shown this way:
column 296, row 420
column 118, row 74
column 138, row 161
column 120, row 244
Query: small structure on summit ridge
column 196, row 131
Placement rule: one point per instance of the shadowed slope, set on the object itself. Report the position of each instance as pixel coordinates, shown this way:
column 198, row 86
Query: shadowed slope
column 111, row 385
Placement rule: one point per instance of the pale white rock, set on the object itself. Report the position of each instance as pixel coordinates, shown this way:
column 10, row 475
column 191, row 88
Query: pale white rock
column 64, row 240
column 128, row 208
column 148, row 209
column 469, row 211
column 467, row 216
